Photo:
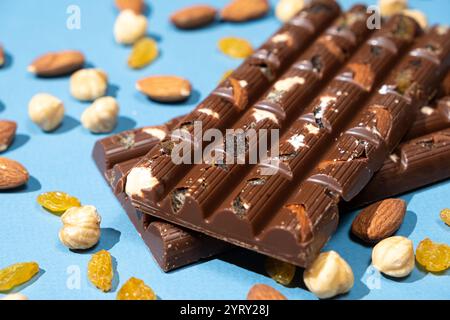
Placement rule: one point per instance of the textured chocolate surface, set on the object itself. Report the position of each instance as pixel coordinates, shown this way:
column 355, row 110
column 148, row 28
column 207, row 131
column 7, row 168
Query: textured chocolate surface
column 297, row 213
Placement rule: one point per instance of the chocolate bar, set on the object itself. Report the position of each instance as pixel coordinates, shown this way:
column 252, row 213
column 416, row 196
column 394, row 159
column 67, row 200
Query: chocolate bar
column 161, row 236
column 279, row 230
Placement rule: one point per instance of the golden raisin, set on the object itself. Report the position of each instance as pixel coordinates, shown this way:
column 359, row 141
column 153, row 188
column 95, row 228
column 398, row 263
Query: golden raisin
column 57, row 202
column 434, row 257
column 135, row 289
column 100, row 270
column 235, row 47
column 445, row 216
column 16, row 274
column 144, row 52
column 280, row 271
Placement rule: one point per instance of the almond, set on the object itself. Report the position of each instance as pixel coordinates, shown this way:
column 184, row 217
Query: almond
column 379, row 220
column 7, row 133
column 137, row 6
column 244, row 10
column 55, row 64
column 194, row 17
column 165, row 88
column 2, row 56
column 12, row 174
column 264, row 292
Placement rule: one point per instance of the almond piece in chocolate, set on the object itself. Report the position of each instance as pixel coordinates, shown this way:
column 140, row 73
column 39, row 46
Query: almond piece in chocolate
column 7, row 133
column 55, row 64
column 379, row 220
column 264, row 292
column 136, row 5
column 244, row 10
column 165, row 88
column 12, row 174
column 194, row 17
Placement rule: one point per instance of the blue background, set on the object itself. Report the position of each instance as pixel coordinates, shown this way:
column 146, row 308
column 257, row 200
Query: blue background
column 62, row 160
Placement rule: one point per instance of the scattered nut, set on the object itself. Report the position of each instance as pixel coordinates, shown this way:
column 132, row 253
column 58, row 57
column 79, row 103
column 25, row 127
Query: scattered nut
column 264, row 292
column 46, row 111
column 165, row 88
column 14, row 296
column 88, row 84
column 7, row 133
column 390, row 7
column 329, row 275
column 394, row 256
column 129, row 27
column 287, row 9
column 244, row 10
column 12, row 174
column 101, row 116
column 81, row 227
column 55, row 64
column 379, row 220
column 194, row 17
column 137, row 6
column 417, row 15
column 2, row 56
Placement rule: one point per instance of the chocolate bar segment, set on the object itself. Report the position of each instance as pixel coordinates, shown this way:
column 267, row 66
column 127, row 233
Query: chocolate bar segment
column 296, row 227
column 416, row 163
column 171, row 246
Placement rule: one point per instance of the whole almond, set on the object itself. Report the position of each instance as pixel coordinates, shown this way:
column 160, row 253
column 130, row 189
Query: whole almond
column 2, row 56
column 55, row 64
column 194, row 17
column 244, row 10
column 379, row 220
column 12, row 174
column 136, row 5
column 264, row 292
column 7, row 133
column 165, row 88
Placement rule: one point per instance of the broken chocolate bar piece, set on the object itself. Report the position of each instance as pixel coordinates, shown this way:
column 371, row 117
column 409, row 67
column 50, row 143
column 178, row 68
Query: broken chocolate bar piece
column 304, row 215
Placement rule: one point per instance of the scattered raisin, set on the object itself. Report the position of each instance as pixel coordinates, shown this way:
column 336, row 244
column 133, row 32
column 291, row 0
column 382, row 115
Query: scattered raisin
column 434, row 257
column 235, row 47
column 17, row 274
column 144, row 52
column 57, row 202
column 445, row 216
column 100, row 270
column 135, row 289
column 280, row 271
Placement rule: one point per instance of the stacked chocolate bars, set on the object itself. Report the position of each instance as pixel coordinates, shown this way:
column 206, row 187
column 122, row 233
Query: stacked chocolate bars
column 342, row 97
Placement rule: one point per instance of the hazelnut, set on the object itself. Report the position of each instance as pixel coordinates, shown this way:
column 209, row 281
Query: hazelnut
column 88, row 84
column 329, row 276
column 81, row 227
column 394, row 256
column 129, row 27
column 14, row 296
column 46, row 111
column 417, row 15
column 390, row 7
column 287, row 9
column 101, row 116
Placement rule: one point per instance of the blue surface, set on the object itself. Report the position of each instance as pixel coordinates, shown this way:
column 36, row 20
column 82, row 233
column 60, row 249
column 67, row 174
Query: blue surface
column 61, row 160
